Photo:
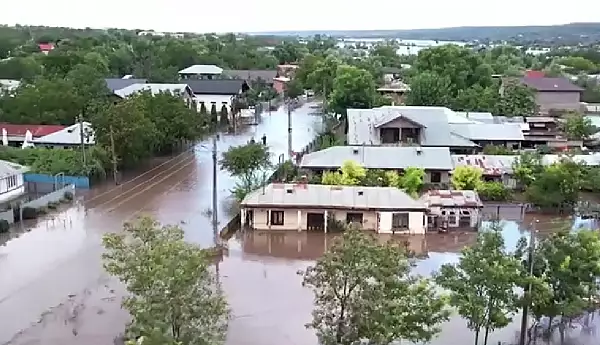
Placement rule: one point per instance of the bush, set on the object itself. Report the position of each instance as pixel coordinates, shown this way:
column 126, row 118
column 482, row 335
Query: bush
column 29, row 213
column 493, row 191
column 4, row 226
column 68, row 196
column 53, row 205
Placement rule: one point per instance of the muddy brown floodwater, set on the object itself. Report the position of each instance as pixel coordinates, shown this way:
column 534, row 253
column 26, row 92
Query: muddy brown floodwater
column 53, row 289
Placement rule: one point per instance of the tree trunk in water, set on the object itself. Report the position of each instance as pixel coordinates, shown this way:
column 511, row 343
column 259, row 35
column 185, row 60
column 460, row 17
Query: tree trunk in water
column 476, row 337
column 485, row 337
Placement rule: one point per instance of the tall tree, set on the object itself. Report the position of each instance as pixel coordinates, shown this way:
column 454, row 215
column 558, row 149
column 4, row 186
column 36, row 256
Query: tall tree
column 174, row 296
column 482, row 284
column 352, row 88
column 248, row 163
column 364, row 289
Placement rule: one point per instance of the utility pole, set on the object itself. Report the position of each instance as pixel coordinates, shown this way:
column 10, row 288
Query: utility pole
column 215, row 202
column 530, row 257
column 82, row 138
column 289, row 115
column 114, row 155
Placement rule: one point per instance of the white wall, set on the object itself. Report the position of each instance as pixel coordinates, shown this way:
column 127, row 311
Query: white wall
column 218, row 99
column 51, row 197
column 415, row 222
column 15, row 191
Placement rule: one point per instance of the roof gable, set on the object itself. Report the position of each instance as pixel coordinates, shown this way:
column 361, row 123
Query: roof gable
column 114, row 84
column 70, row 135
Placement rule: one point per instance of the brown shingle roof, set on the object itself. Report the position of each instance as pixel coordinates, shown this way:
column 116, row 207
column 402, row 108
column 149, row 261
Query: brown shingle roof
column 551, row 84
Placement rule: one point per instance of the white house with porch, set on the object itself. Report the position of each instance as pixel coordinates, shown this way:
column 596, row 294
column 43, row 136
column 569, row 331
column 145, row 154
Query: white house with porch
column 299, row 207
column 12, row 184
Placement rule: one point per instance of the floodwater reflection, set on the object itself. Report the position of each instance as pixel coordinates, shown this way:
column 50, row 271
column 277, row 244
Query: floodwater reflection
column 269, row 302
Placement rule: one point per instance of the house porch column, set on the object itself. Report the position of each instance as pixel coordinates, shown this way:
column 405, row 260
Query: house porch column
column 269, row 219
column 299, row 220
column 325, row 218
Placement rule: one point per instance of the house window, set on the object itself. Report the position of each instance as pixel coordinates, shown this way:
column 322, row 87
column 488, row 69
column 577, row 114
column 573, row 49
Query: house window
column 410, row 135
column 400, row 221
column 452, row 219
column 11, row 182
column 436, row 177
column 390, row 135
column 277, row 218
column 356, row 218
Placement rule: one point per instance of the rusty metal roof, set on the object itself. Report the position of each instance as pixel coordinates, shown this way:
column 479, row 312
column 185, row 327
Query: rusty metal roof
column 491, row 165
column 451, row 198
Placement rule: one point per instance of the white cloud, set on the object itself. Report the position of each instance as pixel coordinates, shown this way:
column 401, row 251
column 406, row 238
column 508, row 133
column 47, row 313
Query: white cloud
column 275, row 15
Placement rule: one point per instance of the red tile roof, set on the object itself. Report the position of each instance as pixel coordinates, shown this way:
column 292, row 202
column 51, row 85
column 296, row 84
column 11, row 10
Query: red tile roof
column 46, row 46
column 36, row 130
column 535, row 74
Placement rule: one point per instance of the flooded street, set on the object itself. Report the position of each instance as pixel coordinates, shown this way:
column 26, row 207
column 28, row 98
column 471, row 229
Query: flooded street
column 53, row 289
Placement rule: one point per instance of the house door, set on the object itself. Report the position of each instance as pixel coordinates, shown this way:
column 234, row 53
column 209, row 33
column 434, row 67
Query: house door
column 315, row 221
column 249, row 221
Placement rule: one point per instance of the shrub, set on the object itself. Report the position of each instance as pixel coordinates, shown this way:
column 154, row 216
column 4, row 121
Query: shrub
column 4, row 226
column 493, row 191
column 68, row 196
column 29, row 213
column 53, row 205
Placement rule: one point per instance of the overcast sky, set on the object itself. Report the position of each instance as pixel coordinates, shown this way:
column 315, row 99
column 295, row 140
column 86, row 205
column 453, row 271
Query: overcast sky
column 282, row 15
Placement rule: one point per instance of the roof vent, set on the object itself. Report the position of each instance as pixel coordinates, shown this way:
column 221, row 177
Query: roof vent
column 555, row 85
column 360, row 193
column 290, row 190
column 355, row 151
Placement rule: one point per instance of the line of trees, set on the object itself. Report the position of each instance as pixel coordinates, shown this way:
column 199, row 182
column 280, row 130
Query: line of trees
column 365, row 289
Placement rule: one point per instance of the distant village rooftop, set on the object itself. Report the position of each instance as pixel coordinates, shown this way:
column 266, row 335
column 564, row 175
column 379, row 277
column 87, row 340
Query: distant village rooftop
column 202, row 69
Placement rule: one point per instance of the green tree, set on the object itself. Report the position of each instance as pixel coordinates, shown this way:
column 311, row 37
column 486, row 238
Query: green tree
column 321, row 76
column 482, row 284
column 364, row 289
column 293, row 89
column 466, row 178
column 213, row 114
column 175, row 119
column 578, row 127
column 430, row 89
column 349, row 174
column 352, row 88
column 557, row 185
column 565, row 276
column 249, row 164
column 224, row 116
column 174, row 297
column 526, row 167
column 134, row 134
column 411, row 181
column 516, row 100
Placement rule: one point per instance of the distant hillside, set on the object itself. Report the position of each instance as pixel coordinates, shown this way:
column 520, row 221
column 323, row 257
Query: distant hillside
column 565, row 34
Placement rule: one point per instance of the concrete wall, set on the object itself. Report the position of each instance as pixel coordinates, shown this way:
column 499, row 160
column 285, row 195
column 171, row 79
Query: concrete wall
column 557, row 100
column 52, row 197
column 417, row 222
column 208, row 99
column 81, row 182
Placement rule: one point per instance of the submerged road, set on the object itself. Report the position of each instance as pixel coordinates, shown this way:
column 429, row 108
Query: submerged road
column 53, row 289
